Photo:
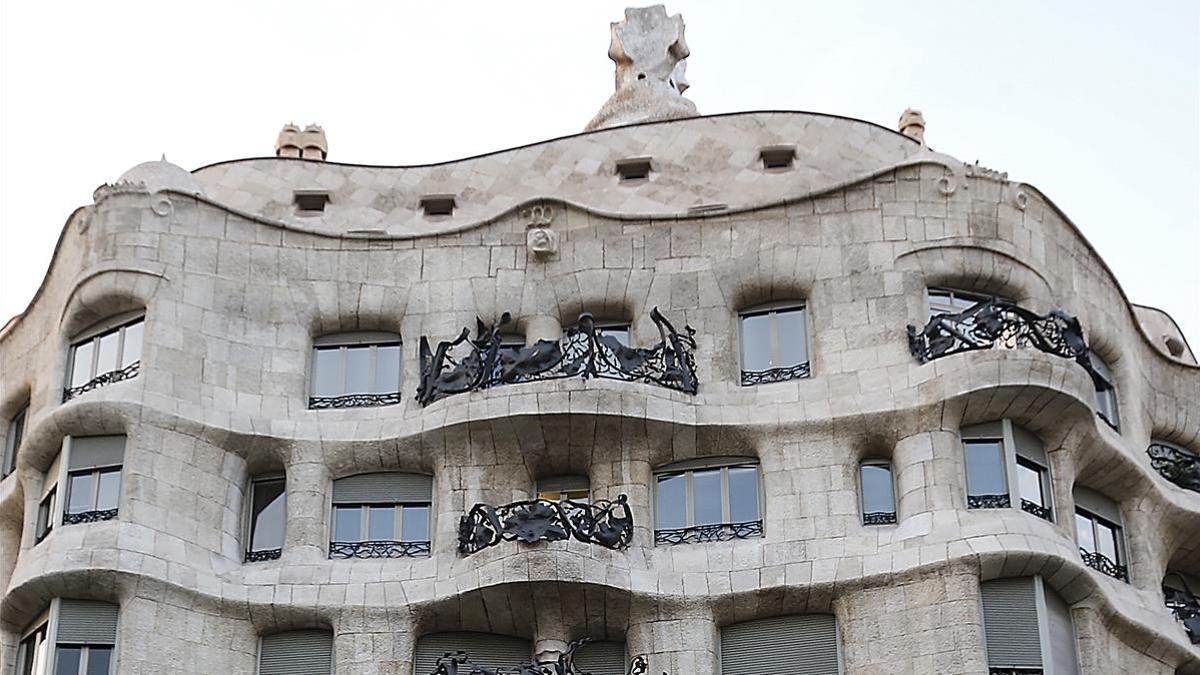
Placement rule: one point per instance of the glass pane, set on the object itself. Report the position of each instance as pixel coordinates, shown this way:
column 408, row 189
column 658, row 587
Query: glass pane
column 878, row 495
column 110, row 490
column 793, row 348
column 66, row 661
column 99, row 659
column 381, row 523
column 327, row 372
column 621, row 333
column 985, row 467
column 45, row 513
column 79, row 493
column 1029, row 483
column 756, row 342
column 81, row 364
column 347, row 523
column 706, row 497
column 743, row 494
column 1106, row 543
column 671, row 496
column 107, row 362
column 358, row 370
column 133, row 344
column 415, row 522
column 387, row 369
column 1083, row 529
column 269, row 515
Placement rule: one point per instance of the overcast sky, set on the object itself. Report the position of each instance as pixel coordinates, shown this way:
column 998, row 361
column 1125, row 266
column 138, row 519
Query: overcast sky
column 1095, row 103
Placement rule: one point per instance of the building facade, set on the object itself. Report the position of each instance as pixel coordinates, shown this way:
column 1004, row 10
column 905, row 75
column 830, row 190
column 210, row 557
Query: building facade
column 765, row 392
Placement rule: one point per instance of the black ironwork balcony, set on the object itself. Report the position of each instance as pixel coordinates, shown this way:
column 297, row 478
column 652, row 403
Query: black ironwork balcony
column 1178, row 466
column 603, row 522
column 98, row 381
column 1186, row 608
column 458, row 663
column 353, row 401
column 378, row 549
column 879, row 518
column 89, row 516
column 699, row 534
column 1101, row 563
column 1036, row 509
column 264, row 555
column 583, row 352
column 752, row 377
column 998, row 323
column 988, row 501
column 1015, row 671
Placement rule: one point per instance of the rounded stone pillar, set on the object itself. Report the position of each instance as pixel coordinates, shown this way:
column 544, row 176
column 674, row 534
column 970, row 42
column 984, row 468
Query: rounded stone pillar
column 375, row 642
column 542, row 327
column 305, row 538
column 927, row 470
column 673, row 636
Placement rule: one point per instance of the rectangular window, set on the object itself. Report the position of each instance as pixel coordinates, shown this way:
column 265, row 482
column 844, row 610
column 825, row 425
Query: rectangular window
column 47, row 509
column 32, row 653
column 1033, row 485
column 12, row 441
column 381, row 515
column 82, row 660
column 87, row 631
column 1106, row 392
column 878, row 494
column 112, row 355
column 354, row 370
column 707, row 504
column 1101, row 544
column 93, row 478
column 558, row 488
column 987, row 486
column 774, row 345
column 268, row 518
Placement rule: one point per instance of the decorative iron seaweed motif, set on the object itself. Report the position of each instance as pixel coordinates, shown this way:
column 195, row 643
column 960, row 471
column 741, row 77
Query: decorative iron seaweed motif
column 101, row 380
column 353, row 401
column 1101, row 563
column 988, row 502
column 583, row 352
column 752, row 377
column 458, row 663
column 993, row 323
column 700, row 534
column 89, row 516
column 264, row 555
column 1179, row 467
column 603, row 522
column 879, row 518
column 1036, row 509
column 1186, row 608
column 378, row 549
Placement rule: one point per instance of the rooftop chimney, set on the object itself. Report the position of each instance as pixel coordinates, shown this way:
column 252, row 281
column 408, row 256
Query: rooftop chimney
column 307, row 144
column 912, row 124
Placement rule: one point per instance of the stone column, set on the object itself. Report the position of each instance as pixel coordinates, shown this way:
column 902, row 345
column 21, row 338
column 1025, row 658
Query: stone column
column 308, row 485
column 619, row 468
column 542, row 327
column 375, row 642
column 927, row 469
column 675, row 637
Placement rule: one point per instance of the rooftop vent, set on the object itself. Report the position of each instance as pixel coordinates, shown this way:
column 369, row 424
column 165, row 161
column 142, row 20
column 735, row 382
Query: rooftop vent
column 633, row 169
column 777, row 157
column 307, row 144
column 912, row 124
column 310, row 202
column 438, row 205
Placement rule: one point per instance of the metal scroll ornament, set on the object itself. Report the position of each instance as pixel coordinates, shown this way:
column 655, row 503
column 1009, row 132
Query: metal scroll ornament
column 1186, row 608
column 1179, row 467
column 459, row 663
column 603, row 522
column 465, row 364
column 997, row 323
column 1101, row 563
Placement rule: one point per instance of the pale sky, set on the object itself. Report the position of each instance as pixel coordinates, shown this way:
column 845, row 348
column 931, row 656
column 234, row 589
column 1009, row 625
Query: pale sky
column 1095, row 103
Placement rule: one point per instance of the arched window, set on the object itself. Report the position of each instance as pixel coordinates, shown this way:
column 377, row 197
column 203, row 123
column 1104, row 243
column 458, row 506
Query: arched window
column 351, row 370
column 1098, row 526
column 878, row 492
column 485, row 650
column 1000, row 454
column 381, row 515
column 800, row 644
column 1106, row 392
column 1027, row 627
column 707, row 500
column 268, row 517
column 296, row 652
column 774, row 343
column 108, row 352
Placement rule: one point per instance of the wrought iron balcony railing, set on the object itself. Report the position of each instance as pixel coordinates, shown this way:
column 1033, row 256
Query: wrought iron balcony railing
column 353, row 401
column 1178, row 466
column 699, row 534
column 752, row 377
column 988, row 501
column 1036, row 509
column 458, row 663
column 584, row 352
column 603, row 522
column 1101, row 563
column 879, row 518
column 378, row 549
column 998, row 323
column 101, row 380
column 1186, row 608
column 89, row 516
column 264, row 555
column 1015, row 671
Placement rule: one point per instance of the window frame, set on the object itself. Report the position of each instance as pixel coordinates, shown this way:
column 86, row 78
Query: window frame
column 541, row 492
column 85, row 654
column 862, row 493
column 972, row 298
column 423, row 548
column 94, row 497
column 364, row 522
column 772, row 310
column 117, row 324
column 687, row 469
column 12, row 440
column 1107, row 399
column 1118, row 528
column 40, row 625
column 1014, row 455
column 251, row 553
column 342, row 343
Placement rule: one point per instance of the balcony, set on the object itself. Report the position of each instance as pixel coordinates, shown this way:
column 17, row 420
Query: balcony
column 1101, row 563
column 1176, row 465
column 365, row 550
column 1186, row 608
column 459, row 663
column 603, row 522
column 102, row 380
column 89, row 516
column 699, row 534
column 465, row 364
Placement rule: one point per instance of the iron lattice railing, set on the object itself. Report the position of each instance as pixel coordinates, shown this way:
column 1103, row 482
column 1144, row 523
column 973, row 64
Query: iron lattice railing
column 1101, row 563
column 584, row 351
column 459, row 663
column 353, row 401
column 988, row 501
column 603, row 522
column 699, row 534
column 879, row 518
column 997, row 323
column 98, row 381
column 752, row 377
column 264, row 555
column 1036, row 509
column 1180, row 467
column 89, row 516
column 1186, row 608
column 378, row 549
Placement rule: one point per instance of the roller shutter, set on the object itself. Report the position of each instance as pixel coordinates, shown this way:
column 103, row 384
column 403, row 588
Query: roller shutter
column 601, row 658
column 386, row 487
column 296, row 652
column 486, row 650
column 1010, row 623
column 796, row 645
column 90, row 452
column 1062, row 634
column 87, row 622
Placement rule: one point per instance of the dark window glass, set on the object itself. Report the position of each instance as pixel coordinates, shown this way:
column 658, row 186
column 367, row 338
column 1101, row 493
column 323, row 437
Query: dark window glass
column 350, row 369
column 327, row 372
column 347, row 523
column 16, row 430
column 99, row 660
column 985, row 467
column 67, row 660
column 672, row 501
column 381, row 523
column 743, row 494
column 31, row 655
column 268, row 518
column 618, row 331
column 756, row 342
column 1083, row 528
column 1106, row 540
column 358, row 370
column 415, row 523
column 46, row 508
column 706, row 495
column 387, row 369
column 878, row 491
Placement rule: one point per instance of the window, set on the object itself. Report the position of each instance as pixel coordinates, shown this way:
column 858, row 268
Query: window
column 47, row 515
column 601, row 657
column 1027, row 628
column 774, row 344
column 310, row 202
column 707, row 500
column 438, row 205
column 1106, row 392
column 12, row 441
column 574, row 488
column 93, row 478
column 778, row 157
column 381, row 515
column 32, row 652
column 109, row 353
column 952, row 301
column 86, row 635
column 485, row 650
column 614, row 329
column 633, row 169
column 268, row 518
column 356, row 369
column 878, row 493
column 296, row 652
column 1101, row 537
column 1001, row 454
column 802, row 644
